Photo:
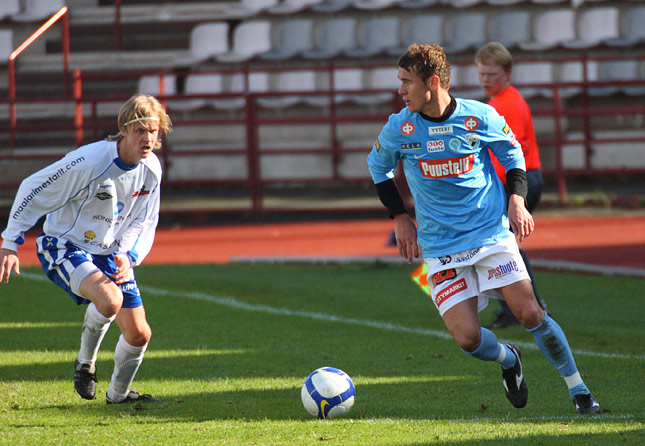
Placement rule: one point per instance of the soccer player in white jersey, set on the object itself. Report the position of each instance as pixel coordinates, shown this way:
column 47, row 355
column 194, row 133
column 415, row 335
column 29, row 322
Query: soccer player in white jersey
column 463, row 224
column 102, row 206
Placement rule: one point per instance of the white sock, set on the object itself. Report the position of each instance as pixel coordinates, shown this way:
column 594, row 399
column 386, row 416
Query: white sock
column 127, row 359
column 95, row 325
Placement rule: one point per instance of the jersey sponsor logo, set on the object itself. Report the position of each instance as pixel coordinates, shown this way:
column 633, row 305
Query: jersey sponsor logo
column 436, row 146
column 440, row 130
column 453, row 289
column 503, row 270
column 407, row 128
column 411, row 146
column 89, row 235
column 449, row 167
column 377, row 145
column 44, row 185
column 49, row 242
column 506, row 129
column 454, row 144
column 103, row 196
column 472, row 139
column 471, row 123
column 143, row 191
column 463, row 256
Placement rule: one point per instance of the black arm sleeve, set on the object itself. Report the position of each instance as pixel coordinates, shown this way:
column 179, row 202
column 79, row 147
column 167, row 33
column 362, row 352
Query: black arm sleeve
column 516, row 183
column 390, row 197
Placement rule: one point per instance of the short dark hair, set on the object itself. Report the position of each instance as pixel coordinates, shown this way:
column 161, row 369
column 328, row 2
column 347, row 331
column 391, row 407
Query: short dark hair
column 427, row 60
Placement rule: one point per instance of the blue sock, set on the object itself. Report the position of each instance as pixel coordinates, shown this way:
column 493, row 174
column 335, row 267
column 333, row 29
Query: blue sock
column 554, row 346
column 490, row 349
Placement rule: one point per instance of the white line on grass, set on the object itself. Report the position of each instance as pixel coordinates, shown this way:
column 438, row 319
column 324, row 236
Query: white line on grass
column 240, row 305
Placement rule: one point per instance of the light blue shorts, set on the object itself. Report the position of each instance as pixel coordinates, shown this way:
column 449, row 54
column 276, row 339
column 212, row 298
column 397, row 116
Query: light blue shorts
column 67, row 265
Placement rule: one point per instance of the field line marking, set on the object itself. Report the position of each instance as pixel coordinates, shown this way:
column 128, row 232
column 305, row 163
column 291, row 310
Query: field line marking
column 240, row 305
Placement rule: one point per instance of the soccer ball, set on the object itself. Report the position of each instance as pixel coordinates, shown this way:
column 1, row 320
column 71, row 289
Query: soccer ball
column 328, row 393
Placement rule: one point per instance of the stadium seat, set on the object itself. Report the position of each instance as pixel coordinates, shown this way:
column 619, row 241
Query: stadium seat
column 9, row 8
column 195, row 84
column 503, row 2
column 293, row 81
column 151, row 84
column 548, row 2
column 375, row 36
column 291, row 6
column 334, row 36
column 550, row 29
column 569, row 72
column 380, row 79
column 250, row 39
column 373, row 4
column 331, row 5
column 511, row 28
column 206, row 40
column 593, row 27
column 533, row 73
column 347, row 79
column 632, row 31
column 467, row 76
column 456, row 40
column 423, row 28
column 6, row 45
column 418, row 4
column 36, row 10
column 256, row 6
column 615, row 70
column 462, row 3
column 241, row 83
column 293, row 37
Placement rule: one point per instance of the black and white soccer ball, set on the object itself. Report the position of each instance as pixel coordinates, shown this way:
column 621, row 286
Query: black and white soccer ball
column 328, row 392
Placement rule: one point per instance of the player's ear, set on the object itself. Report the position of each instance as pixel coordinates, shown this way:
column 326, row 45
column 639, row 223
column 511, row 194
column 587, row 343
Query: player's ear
column 433, row 82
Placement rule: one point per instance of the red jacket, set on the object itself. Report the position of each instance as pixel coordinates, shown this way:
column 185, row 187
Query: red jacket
column 512, row 106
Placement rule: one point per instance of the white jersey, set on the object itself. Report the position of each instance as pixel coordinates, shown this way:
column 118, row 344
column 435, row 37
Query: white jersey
column 92, row 200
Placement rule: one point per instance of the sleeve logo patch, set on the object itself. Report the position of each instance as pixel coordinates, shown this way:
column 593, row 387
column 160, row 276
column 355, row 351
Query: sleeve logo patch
column 407, row 128
column 471, row 123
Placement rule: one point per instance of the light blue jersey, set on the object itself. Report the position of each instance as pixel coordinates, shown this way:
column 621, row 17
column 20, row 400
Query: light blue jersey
column 460, row 202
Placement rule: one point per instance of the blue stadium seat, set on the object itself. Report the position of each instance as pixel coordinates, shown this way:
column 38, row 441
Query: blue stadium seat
column 511, row 28
column 632, row 30
column 375, row 36
column 333, row 37
column 293, row 37
column 550, row 29
column 593, row 27
column 250, row 38
column 421, row 28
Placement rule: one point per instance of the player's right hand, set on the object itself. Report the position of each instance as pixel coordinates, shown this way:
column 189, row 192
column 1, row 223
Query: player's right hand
column 405, row 232
column 8, row 261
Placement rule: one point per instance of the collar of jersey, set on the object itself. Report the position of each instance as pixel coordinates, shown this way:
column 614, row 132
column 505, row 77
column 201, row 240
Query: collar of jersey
column 446, row 114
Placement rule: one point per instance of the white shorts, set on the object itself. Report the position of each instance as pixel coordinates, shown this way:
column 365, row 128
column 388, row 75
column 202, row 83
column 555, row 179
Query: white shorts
column 474, row 272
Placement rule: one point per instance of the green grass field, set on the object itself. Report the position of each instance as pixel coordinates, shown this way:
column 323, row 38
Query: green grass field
column 233, row 344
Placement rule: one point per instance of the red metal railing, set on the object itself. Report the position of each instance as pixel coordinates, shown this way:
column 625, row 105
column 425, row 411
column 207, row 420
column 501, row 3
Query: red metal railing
column 13, row 120
column 256, row 183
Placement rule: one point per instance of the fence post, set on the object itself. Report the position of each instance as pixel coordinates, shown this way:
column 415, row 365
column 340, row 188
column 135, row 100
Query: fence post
column 253, row 153
column 78, row 108
column 560, row 176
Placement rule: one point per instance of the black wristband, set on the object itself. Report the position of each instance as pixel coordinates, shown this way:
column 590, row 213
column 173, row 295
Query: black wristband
column 516, row 182
column 391, row 198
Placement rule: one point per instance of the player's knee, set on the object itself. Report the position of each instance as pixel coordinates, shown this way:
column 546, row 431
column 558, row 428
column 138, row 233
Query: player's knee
column 530, row 316
column 468, row 341
column 139, row 337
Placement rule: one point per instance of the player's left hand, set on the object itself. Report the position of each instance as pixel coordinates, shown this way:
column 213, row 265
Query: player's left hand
column 520, row 218
column 122, row 269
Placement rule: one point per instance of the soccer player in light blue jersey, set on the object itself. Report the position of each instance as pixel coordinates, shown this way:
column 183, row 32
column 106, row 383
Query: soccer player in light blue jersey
column 463, row 220
column 101, row 203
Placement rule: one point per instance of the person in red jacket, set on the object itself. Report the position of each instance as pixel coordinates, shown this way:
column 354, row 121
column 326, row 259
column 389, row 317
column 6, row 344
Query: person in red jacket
column 494, row 64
